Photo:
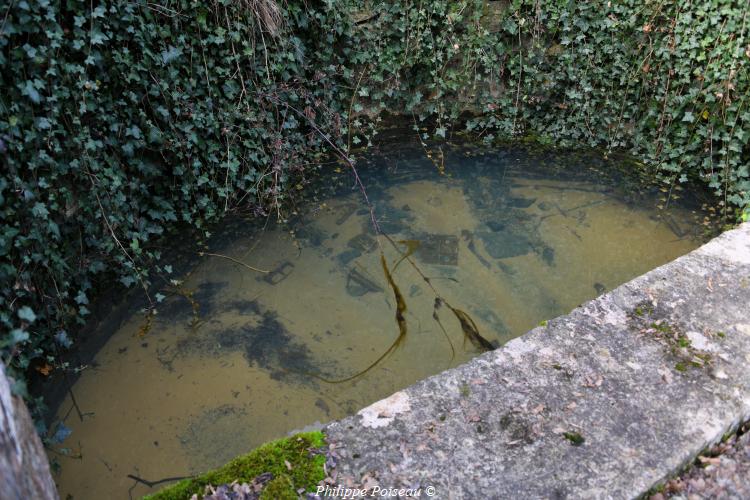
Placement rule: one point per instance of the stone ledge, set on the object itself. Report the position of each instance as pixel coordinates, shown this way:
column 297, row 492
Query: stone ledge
column 604, row 402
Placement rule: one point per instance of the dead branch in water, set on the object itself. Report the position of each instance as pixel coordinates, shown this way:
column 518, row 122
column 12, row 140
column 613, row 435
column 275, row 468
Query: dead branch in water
column 346, row 159
column 151, row 484
column 235, row 261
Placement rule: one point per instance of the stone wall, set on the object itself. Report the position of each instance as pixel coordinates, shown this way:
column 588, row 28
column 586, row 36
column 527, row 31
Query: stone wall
column 24, row 470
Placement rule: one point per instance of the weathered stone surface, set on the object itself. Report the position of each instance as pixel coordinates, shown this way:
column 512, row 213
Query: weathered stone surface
column 618, row 372
column 24, row 470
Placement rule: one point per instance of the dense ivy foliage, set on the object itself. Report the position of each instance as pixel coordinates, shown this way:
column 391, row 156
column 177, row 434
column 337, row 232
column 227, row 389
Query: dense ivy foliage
column 123, row 120
column 667, row 81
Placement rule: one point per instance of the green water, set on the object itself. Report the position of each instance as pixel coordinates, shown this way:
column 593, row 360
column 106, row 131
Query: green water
column 235, row 357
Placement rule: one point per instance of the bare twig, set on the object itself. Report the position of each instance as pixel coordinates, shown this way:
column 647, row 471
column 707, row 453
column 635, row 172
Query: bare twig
column 234, row 260
column 151, row 484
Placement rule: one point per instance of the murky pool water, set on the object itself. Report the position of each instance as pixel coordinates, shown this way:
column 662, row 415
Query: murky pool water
column 235, row 357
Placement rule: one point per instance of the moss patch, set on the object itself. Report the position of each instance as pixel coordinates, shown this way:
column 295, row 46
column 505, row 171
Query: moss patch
column 652, row 322
column 304, row 469
column 575, row 438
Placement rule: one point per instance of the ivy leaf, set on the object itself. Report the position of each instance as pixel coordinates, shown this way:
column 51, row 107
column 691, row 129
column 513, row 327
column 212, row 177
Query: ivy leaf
column 62, row 339
column 81, row 298
column 39, row 210
column 43, row 123
column 30, row 91
column 98, row 38
column 510, row 26
column 170, row 55
column 26, row 314
column 30, row 51
column 128, row 281
column 17, row 336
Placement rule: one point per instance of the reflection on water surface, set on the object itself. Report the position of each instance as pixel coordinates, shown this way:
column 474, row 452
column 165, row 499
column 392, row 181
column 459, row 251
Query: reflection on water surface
column 235, row 357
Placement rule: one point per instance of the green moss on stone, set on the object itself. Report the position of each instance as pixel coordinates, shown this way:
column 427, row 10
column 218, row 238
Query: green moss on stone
column 671, row 336
column 464, row 390
column 279, row 488
column 575, row 438
column 305, row 469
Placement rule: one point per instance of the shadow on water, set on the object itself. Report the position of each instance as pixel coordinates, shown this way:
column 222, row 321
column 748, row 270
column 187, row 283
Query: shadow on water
column 262, row 339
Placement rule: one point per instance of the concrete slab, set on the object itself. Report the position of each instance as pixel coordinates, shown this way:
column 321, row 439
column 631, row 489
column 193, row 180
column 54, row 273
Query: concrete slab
column 601, row 403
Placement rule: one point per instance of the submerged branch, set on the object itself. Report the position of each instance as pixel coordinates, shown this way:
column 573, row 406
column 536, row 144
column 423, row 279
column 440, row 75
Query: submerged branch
column 435, row 316
column 411, row 247
column 235, row 261
column 470, row 330
column 151, row 484
column 400, row 320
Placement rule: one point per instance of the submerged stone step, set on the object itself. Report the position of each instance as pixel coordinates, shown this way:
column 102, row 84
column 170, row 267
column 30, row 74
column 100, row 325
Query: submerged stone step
column 604, row 402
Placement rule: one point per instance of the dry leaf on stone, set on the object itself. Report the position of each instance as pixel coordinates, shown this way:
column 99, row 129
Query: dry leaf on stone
column 593, row 381
column 666, row 374
column 369, row 482
column 710, row 460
